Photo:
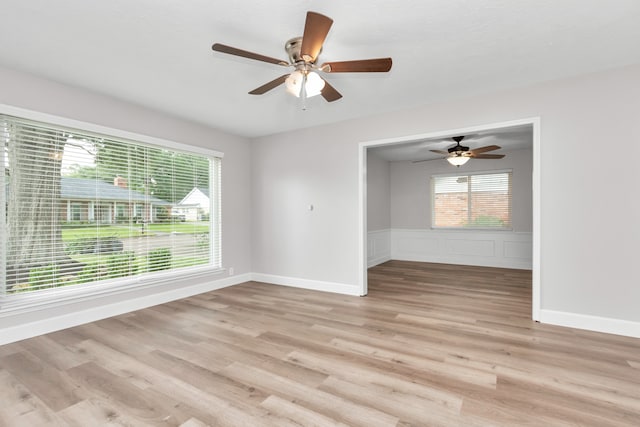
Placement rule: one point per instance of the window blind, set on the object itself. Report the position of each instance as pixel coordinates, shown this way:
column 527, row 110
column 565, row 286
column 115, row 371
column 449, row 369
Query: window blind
column 479, row 200
column 83, row 208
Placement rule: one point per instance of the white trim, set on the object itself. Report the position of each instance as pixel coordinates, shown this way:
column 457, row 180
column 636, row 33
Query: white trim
column 362, row 190
column 105, row 130
column 56, row 323
column 447, row 133
column 363, row 284
column 48, row 298
column 591, row 323
column 536, row 254
column 315, row 285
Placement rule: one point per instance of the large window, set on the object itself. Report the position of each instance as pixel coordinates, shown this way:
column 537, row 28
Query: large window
column 84, row 208
column 478, row 200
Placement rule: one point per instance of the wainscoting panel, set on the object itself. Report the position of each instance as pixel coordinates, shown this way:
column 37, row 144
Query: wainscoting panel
column 469, row 247
column 504, row 249
column 378, row 247
column 519, row 250
column 422, row 245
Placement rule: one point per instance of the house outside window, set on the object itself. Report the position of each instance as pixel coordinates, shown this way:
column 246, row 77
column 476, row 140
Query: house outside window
column 479, row 200
column 86, row 208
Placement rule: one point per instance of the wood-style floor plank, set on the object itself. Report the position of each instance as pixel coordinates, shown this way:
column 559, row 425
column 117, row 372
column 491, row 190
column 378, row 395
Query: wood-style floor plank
column 431, row 345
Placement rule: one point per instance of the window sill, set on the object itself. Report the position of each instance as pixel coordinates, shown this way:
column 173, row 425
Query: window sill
column 76, row 293
column 466, row 229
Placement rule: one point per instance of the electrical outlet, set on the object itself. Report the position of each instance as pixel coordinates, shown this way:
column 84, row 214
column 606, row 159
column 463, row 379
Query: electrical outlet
column 230, row 269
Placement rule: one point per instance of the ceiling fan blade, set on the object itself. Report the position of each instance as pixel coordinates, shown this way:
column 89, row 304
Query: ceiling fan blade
column 485, row 149
column 487, row 156
column 378, row 65
column 268, row 86
column 446, row 153
column 316, row 29
column 246, row 54
column 330, row 93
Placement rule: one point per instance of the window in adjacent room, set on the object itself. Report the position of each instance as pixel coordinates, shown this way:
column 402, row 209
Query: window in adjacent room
column 82, row 208
column 472, row 201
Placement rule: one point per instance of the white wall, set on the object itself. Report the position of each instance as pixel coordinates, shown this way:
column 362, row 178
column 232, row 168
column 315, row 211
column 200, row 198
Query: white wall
column 28, row 92
column 589, row 228
column 411, row 192
column 378, row 193
column 292, row 244
column 378, row 210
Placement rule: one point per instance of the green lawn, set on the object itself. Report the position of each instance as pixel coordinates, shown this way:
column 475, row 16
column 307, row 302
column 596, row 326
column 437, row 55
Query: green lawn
column 102, row 231
column 135, row 230
column 141, row 261
column 180, row 227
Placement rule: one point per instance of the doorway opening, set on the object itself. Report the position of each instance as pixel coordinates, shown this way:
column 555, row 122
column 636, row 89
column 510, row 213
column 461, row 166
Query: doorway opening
column 414, row 149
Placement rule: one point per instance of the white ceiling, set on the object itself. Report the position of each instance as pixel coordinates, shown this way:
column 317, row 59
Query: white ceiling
column 158, row 53
column 507, row 138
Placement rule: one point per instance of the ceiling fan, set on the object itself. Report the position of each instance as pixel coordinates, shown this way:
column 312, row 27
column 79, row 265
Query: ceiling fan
column 459, row 154
column 303, row 53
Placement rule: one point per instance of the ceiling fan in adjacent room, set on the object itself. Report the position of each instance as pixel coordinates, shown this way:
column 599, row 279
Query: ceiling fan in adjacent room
column 305, row 81
column 459, row 154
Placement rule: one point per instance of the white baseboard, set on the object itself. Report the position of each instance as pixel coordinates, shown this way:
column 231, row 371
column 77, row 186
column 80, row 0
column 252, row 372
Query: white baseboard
column 591, row 323
column 77, row 317
column 315, row 285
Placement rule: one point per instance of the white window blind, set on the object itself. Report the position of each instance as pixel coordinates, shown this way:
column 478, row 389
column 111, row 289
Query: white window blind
column 83, row 208
column 479, row 200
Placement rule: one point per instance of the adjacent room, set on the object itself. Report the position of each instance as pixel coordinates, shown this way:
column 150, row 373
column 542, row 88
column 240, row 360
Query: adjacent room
column 420, row 207
column 320, row 213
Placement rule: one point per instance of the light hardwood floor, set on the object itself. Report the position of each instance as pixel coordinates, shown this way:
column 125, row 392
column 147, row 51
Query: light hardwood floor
column 432, row 345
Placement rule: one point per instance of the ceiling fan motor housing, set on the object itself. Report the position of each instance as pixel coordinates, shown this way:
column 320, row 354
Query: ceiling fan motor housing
column 293, row 47
column 458, row 149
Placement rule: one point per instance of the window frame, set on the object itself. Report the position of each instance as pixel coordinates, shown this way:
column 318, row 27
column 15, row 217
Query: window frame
column 86, row 291
column 75, row 209
column 469, row 174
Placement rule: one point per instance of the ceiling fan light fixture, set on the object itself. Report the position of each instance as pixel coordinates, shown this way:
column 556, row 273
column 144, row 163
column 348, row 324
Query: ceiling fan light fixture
column 314, row 84
column 457, row 160
column 294, row 83
column 310, row 81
